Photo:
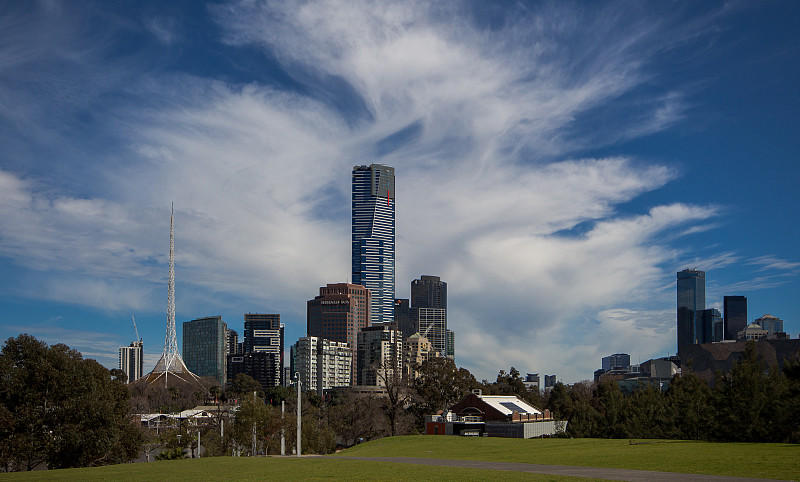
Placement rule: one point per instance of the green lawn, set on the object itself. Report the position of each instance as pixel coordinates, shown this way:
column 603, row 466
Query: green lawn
column 771, row 461
column 274, row 468
column 777, row 461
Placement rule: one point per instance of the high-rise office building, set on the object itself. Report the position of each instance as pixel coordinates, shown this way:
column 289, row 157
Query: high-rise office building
column 373, row 241
column 339, row 312
column 205, row 347
column 263, row 334
column 709, row 321
column 130, row 360
column 772, row 324
column 735, row 313
column 380, row 355
column 617, row 361
column 404, row 318
column 321, row 363
column 428, row 292
column 432, row 324
column 691, row 301
column 429, row 309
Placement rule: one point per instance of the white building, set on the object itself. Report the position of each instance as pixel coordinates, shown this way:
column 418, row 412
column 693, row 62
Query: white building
column 130, row 360
column 322, row 363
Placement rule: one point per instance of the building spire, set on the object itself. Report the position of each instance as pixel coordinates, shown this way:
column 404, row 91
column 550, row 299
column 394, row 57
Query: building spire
column 171, row 361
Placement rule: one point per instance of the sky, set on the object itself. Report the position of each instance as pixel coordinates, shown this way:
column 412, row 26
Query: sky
column 556, row 164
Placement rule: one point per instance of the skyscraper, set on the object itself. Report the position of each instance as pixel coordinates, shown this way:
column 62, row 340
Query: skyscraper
column 708, row 319
column 429, row 308
column 735, row 308
column 339, row 312
column 130, row 360
column 373, row 238
column 204, row 347
column 691, row 300
column 263, row 334
column 428, row 292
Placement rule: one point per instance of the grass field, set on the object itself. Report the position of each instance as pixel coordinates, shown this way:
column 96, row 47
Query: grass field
column 777, row 461
column 771, row 461
column 275, row 468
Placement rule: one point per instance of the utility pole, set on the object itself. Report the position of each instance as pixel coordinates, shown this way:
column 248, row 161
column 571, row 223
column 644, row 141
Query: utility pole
column 299, row 415
column 283, row 438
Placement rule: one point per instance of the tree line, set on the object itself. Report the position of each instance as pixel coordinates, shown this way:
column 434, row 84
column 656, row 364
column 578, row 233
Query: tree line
column 59, row 410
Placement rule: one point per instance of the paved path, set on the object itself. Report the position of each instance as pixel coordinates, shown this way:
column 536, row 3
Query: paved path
column 595, row 472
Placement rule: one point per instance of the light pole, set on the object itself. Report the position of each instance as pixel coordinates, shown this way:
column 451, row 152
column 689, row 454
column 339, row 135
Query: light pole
column 299, row 414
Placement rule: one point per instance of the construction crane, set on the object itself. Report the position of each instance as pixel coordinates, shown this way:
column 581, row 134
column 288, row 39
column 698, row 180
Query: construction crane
column 136, row 329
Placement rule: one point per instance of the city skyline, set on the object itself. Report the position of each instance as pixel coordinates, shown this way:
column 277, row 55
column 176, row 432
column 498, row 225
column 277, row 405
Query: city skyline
column 556, row 164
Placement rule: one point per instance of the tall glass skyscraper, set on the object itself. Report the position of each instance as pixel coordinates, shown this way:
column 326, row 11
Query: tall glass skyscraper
column 691, row 301
column 735, row 308
column 373, row 237
column 204, row 347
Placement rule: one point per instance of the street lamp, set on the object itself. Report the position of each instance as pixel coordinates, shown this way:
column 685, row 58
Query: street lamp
column 299, row 414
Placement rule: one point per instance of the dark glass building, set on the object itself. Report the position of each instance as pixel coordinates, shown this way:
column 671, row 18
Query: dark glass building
column 373, row 250
column 428, row 292
column 404, row 318
column 617, row 361
column 709, row 320
column 204, row 347
column 263, row 334
column 735, row 312
column 691, row 300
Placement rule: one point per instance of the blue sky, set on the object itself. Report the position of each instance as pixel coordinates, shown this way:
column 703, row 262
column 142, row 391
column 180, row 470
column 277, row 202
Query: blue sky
column 556, row 163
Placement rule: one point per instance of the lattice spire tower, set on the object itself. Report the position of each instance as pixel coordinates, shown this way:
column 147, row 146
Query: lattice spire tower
column 171, row 362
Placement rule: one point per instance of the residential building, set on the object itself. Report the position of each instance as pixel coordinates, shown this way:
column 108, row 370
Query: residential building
column 735, row 312
column 380, row 355
column 322, row 364
column 205, row 347
column 131, row 361
column 262, row 366
column 691, row 300
column 770, row 323
column 451, row 344
column 616, row 361
column 416, row 350
column 233, row 345
column 373, row 237
column 263, row 333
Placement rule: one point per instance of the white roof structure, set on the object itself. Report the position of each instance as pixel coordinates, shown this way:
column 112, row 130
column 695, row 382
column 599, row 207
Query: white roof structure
column 507, row 404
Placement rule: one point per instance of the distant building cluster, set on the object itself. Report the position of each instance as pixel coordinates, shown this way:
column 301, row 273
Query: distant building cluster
column 357, row 334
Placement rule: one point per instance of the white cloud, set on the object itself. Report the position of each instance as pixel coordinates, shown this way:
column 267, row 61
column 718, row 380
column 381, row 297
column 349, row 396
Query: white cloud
column 543, row 270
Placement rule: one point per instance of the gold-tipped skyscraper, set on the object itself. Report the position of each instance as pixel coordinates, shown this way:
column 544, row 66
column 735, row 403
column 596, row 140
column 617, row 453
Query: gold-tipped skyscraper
column 171, row 362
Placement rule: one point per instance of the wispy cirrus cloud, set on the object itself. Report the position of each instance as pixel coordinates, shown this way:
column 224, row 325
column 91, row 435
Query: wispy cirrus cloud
column 482, row 114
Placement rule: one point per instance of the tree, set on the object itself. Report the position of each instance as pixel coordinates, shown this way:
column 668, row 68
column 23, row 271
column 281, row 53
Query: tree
column 61, row 410
column 440, row 385
column 690, row 408
column 745, row 399
column 612, row 402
